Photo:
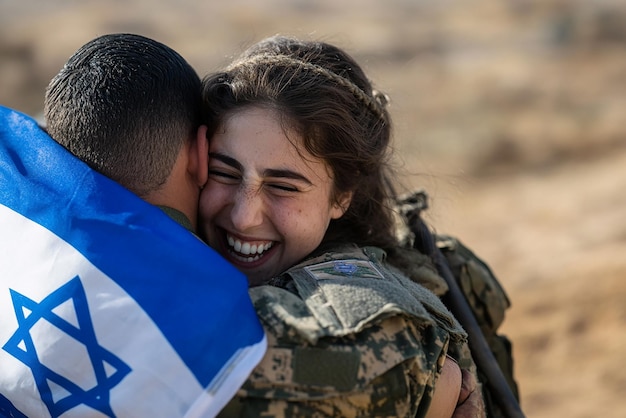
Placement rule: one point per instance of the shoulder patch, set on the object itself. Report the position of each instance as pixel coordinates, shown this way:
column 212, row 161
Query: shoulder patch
column 341, row 269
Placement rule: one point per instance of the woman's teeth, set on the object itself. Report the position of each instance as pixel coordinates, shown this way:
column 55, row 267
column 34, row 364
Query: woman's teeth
column 252, row 251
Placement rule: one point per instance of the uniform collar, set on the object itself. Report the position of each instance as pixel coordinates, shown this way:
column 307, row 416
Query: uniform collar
column 178, row 216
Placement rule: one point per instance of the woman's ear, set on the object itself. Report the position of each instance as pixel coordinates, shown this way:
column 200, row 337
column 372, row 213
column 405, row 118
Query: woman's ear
column 341, row 205
column 199, row 157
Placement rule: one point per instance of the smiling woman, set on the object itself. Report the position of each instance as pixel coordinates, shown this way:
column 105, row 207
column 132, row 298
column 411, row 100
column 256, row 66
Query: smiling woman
column 298, row 197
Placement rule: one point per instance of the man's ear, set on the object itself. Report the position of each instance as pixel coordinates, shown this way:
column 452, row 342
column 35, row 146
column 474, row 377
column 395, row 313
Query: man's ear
column 199, row 157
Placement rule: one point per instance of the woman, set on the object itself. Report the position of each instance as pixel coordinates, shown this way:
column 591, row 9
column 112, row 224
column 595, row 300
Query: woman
column 298, row 184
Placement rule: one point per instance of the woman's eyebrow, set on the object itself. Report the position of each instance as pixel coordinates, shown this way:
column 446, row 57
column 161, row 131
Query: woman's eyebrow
column 226, row 160
column 272, row 172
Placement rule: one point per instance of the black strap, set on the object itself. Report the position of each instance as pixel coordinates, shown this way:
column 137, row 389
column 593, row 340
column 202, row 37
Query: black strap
column 456, row 302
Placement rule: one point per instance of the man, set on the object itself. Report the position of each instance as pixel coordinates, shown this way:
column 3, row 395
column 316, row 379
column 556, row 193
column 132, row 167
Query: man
column 109, row 307
column 130, row 108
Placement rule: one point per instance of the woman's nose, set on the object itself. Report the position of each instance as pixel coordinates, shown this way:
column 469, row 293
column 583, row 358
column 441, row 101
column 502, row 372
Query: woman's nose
column 247, row 209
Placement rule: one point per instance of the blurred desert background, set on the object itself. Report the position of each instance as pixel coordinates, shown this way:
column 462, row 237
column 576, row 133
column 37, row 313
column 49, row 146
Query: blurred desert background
column 510, row 113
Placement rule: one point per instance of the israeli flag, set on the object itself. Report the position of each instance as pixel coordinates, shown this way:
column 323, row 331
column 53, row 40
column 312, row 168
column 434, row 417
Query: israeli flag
column 108, row 308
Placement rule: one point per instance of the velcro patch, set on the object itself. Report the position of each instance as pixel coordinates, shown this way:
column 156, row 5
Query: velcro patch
column 320, row 367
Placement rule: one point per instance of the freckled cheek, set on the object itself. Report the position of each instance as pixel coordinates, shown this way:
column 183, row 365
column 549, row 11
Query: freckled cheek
column 298, row 214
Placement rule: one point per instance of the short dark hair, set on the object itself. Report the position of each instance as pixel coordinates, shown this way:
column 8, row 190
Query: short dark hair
column 324, row 96
column 125, row 104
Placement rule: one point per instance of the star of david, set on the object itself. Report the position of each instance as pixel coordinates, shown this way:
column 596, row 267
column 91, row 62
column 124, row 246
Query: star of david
column 108, row 369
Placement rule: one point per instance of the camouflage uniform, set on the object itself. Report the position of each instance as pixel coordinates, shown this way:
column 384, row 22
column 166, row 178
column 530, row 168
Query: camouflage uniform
column 347, row 337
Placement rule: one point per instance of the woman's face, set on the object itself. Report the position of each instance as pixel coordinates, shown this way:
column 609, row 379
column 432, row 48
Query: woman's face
column 266, row 205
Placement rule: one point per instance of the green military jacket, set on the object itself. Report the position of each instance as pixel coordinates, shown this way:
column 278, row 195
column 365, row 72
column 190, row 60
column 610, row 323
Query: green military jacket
column 347, row 336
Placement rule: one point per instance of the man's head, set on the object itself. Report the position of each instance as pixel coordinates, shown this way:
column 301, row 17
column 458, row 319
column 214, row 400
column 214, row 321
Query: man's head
column 127, row 106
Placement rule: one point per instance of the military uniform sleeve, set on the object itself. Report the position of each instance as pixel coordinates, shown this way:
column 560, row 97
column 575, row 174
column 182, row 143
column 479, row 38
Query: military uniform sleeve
column 386, row 368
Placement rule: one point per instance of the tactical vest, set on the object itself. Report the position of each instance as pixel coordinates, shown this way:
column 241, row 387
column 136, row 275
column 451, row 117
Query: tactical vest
column 488, row 302
column 481, row 289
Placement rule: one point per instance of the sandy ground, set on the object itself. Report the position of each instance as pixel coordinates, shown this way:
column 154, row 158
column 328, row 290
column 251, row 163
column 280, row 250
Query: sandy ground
column 510, row 113
column 558, row 243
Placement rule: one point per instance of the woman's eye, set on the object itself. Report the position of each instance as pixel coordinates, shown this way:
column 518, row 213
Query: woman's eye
column 221, row 175
column 283, row 187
